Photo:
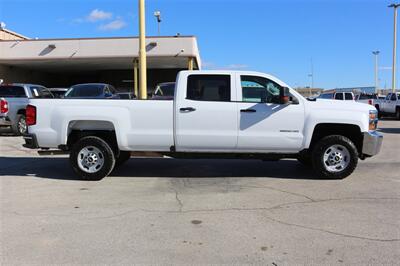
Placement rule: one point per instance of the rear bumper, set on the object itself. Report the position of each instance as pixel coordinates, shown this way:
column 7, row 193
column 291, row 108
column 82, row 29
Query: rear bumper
column 30, row 141
column 372, row 143
column 5, row 121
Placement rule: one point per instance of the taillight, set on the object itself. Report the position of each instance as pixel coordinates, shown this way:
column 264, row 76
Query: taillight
column 3, row 106
column 370, row 102
column 30, row 115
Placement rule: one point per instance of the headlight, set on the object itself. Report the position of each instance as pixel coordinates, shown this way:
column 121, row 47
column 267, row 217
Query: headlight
column 373, row 120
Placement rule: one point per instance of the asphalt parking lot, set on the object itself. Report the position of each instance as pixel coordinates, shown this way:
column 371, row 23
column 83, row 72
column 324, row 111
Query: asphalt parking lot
column 206, row 211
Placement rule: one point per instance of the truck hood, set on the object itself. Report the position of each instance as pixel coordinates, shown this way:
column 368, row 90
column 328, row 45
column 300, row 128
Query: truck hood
column 336, row 105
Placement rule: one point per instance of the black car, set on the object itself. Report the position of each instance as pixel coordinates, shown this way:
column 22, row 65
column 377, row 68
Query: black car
column 92, row 91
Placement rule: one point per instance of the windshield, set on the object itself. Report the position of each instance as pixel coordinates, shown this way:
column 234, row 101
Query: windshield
column 12, row 91
column 165, row 90
column 87, row 90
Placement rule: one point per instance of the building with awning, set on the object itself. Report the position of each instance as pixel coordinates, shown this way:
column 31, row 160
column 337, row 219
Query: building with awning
column 65, row 62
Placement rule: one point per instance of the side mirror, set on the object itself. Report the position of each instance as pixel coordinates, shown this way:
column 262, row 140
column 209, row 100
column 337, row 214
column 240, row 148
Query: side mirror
column 284, row 97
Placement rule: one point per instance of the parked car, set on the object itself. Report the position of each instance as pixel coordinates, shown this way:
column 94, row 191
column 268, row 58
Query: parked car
column 333, row 95
column 58, row 92
column 13, row 101
column 164, row 91
column 92, row 91
column 126, row 95
column 217, row 114
column 390, row 105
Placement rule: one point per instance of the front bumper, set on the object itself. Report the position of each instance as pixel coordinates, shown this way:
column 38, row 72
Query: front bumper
column 30, row 141
column 372, row 143
column 5, row 121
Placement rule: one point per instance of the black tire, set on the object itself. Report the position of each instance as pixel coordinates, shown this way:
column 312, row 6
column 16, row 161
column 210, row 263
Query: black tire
column 123, row 157
column 379, row 112
column 398, row 113
column 20, row 128
column 104, row 153
column 322, row 147
column 305, row 158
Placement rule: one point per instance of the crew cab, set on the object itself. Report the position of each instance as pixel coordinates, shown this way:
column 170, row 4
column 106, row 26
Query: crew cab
column 214, row 114
column 390, row 105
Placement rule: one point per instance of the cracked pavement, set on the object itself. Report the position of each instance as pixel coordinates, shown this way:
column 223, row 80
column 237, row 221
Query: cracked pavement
column 165, row 211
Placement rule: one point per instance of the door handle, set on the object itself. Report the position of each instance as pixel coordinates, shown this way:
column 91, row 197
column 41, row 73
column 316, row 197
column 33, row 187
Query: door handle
column 187, row 109
column 248, row 111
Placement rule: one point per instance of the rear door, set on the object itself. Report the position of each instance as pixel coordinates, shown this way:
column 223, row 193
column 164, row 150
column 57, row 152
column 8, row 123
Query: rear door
column 206, row 116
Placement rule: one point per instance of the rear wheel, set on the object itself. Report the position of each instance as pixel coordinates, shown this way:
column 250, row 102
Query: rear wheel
column 334, row 157
column 398, row 113
column 92, row 158
column 20, row 127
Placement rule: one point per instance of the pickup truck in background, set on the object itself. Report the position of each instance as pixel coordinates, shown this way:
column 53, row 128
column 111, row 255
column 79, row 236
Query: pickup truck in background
column 214, row 114
column 13, row 101
column 390, row 105
column 368, row 98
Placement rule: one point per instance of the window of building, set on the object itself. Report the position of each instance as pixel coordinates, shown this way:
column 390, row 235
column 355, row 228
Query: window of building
column 211, row 88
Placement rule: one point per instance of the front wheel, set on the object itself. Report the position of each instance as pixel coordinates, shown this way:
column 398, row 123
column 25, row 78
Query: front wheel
column 92, row 158
column 334, row 157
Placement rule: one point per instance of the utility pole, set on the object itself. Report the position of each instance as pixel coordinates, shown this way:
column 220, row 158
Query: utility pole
column 142, row 52
column 376, row 53
column 395, row 6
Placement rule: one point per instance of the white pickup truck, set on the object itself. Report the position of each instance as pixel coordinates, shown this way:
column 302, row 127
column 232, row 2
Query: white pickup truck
column 215, row 114
column 390, row 105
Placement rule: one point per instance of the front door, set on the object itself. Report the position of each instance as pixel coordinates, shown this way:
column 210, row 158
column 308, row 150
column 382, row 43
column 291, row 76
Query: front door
column 206, row 118
column 264, row 125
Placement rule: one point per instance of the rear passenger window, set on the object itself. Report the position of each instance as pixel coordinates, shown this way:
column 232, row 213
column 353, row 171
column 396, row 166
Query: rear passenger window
column 348, row 96
column 339, row 96
column 212, row 88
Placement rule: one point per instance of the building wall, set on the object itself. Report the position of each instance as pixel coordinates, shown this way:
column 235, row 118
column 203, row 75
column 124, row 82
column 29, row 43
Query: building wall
column 9, row 35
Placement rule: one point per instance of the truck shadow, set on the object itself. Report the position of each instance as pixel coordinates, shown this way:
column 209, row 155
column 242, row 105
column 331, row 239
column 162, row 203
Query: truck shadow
column 59, row 168
column 390, row 130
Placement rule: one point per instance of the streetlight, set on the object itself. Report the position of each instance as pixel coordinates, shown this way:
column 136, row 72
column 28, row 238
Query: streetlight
column 376, row 53
column 157, row 14
column 395, row 6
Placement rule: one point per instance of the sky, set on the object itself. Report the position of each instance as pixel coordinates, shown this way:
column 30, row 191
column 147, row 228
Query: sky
column 280, row 37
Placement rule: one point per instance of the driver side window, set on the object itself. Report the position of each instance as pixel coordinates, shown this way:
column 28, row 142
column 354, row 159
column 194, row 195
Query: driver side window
column 259, row 90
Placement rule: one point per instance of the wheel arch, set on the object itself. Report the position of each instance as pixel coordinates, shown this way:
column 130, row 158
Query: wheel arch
column 350, row 131
column 103, row 129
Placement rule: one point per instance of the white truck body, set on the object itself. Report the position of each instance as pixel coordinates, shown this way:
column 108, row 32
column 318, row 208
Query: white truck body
column 390, row 105
column 193, row 126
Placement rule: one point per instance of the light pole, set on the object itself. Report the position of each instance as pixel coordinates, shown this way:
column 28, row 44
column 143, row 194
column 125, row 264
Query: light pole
column 395, row 6
column 311, row 75
column 157, row 14
column 376, row 53
column 142, row 52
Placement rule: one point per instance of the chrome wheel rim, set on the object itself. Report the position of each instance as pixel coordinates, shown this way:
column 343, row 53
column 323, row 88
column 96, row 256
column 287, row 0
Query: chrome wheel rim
column 90, row 159
column 336, row 158
column 22, row 126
